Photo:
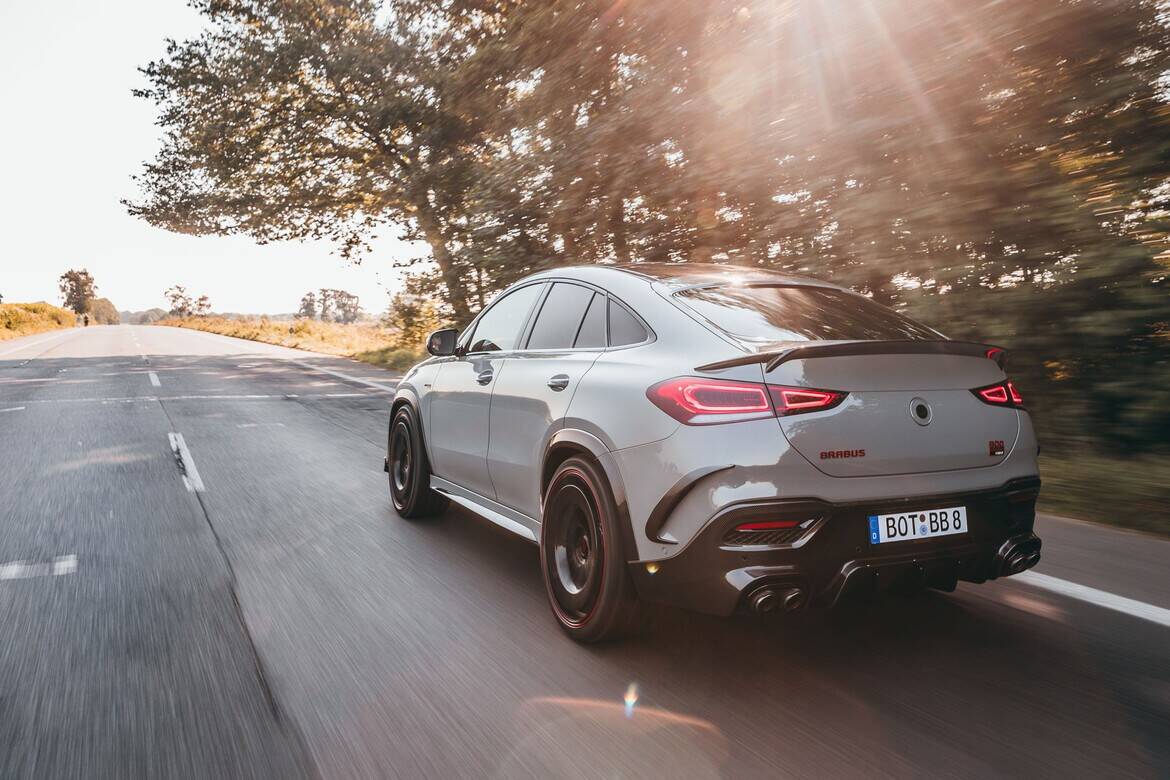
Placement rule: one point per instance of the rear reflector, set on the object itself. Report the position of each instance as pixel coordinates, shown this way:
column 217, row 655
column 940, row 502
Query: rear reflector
column 768, row 525
column 696, row 401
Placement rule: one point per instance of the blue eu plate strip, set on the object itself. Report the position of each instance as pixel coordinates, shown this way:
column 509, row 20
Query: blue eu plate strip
column 874, row 537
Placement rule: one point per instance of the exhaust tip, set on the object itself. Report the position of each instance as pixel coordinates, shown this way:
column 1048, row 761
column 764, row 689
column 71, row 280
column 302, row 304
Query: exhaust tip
column 764, row 601
column 792, row 599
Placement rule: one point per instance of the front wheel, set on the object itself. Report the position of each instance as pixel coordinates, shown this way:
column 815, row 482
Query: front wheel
column 409, row 470
column 589, row 589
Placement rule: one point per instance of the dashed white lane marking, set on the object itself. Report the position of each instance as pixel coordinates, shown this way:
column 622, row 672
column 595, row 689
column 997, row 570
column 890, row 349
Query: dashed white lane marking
column 186, row 463
column 1100, row 598
column 339, row 375
column 154, row 379
column 12, row 409
column 21, row 570
column 260, row 425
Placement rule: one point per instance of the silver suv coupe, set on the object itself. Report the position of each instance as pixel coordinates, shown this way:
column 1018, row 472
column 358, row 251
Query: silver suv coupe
column 718, row 438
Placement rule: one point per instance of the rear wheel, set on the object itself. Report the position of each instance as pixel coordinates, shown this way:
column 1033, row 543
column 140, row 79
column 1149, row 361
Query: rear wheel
column 589, row 589
column 409, row 470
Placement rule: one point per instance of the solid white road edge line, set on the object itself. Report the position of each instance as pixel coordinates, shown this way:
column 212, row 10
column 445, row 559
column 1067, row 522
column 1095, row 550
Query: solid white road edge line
column 12, row 409
column 339, row 375
column 35, row 343
column 154, row 379
column 20, row 570
column 1100, row 598
column 186, row 463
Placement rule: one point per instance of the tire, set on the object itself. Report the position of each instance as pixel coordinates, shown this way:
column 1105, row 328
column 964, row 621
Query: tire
column 590, row 592
column 408, row 469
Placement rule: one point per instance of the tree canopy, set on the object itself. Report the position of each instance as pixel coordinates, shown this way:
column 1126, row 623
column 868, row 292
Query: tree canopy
column 77, row 290
column 1001, row 170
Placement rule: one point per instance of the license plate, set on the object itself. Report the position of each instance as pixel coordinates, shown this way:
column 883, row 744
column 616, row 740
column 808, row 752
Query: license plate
column 925, row 524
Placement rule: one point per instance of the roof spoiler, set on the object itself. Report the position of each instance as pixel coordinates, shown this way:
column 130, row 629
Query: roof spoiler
column 774, row 358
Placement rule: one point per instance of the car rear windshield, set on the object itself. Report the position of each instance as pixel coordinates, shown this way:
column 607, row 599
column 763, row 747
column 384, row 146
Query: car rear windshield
column 761, row 314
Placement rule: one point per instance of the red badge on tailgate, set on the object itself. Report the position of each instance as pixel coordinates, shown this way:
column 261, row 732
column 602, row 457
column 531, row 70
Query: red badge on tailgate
column 995, row 447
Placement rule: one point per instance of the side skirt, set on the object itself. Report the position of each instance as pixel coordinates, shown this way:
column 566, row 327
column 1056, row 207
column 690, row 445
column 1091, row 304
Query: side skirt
column 517, row 523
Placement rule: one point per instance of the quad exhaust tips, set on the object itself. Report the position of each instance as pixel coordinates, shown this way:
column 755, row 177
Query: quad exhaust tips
column 1017, row 555
column 770, row 599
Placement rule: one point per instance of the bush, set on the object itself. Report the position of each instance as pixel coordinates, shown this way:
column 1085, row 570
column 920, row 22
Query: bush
column 23, row 319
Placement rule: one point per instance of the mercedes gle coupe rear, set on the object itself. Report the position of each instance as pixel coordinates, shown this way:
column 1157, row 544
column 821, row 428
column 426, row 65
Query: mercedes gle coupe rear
column 720, row 439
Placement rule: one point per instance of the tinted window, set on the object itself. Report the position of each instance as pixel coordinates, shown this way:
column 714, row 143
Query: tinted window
column 499, row 328
column 763, row 314
column 624, row 328
column 592, row 333
column 560, row 317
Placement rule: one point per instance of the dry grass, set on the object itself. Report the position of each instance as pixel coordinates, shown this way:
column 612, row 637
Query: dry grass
column 24, row 319
column 361, row 341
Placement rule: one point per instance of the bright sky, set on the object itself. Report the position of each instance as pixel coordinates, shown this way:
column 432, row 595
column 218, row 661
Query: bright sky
column 72, row 137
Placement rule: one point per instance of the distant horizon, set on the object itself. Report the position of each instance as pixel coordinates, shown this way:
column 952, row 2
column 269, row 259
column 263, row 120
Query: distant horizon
column 83, row 136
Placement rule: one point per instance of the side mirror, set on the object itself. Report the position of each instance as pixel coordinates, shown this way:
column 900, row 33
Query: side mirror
column 442, row 342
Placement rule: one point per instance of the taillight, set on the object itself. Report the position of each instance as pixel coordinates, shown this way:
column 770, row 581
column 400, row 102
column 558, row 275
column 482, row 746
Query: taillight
column 696, row 401
column 1000, row 394
column 1017, row 399
column 794, row 400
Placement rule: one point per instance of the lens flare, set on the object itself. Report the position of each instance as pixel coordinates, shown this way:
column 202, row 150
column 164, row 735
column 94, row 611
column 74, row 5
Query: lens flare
column 631, row 699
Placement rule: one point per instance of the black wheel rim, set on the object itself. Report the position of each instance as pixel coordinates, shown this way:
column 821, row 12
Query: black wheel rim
column 575, row 553
column 401, row 463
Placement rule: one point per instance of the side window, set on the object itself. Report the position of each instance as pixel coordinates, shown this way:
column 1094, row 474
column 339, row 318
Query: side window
column 592, row 332
column 560, row 317
column 624, row 327
column 499, row 328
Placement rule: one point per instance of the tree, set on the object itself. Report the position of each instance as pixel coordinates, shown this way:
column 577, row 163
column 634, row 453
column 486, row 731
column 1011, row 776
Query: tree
column 347, row 306
column 77, row 290
column 294, row 120
column 201, row 307
column 103, row 312
column 308, row 308
column 181, row 303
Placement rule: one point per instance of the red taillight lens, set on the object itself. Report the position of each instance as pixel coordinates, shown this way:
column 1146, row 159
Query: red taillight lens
column 1002, row 394
column 690, row 400
column 1017, row 399
column 696, row 401
column 794, row 400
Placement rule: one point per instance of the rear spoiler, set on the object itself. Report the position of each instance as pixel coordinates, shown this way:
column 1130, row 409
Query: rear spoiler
column 774, row 358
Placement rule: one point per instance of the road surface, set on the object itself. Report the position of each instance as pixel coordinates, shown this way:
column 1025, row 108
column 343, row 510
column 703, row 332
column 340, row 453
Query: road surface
column 252, row 607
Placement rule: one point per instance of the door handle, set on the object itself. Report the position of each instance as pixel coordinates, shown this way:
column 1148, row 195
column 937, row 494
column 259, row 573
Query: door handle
column 559, row 382
column 483, row 377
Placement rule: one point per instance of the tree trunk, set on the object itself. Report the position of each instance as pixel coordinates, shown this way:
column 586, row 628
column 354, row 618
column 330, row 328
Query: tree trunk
column 456, row 289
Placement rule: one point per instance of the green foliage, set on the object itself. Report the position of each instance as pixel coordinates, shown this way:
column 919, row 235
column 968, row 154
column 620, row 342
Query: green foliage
column 1000, row 170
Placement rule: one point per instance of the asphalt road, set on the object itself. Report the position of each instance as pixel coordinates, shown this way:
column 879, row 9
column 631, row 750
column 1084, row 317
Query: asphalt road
column 266, row 614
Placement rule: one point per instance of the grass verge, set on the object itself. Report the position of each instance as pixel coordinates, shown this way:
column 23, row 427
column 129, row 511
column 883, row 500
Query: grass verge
column 1128, row 492
column 360, row 341
column 25, row 319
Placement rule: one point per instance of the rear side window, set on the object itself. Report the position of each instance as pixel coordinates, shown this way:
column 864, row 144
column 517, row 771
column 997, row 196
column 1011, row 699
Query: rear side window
column 763, row 314
column 560, row 317
column 624, row 327
column 592, row 333
column 499, row 327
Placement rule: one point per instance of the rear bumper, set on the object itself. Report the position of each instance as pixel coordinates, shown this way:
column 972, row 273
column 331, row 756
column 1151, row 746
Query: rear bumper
column 831, row 557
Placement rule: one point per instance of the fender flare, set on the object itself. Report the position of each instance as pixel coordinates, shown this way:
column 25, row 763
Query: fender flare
column 576, row 439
